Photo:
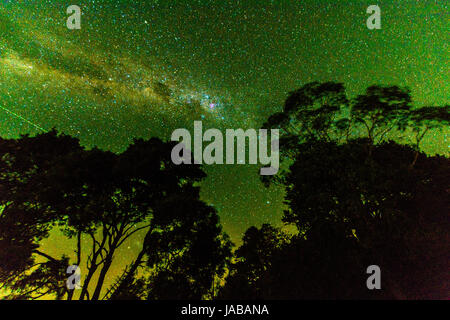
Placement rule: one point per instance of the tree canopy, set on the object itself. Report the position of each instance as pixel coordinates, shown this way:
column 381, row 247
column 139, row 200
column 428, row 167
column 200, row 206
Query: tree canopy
column 49, row 181
column 359, row 191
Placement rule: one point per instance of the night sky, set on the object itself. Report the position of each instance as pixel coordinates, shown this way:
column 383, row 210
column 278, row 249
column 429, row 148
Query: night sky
column 145, row 68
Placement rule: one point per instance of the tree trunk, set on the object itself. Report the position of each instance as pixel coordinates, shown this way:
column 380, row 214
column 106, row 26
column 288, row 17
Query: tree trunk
column 101, row 279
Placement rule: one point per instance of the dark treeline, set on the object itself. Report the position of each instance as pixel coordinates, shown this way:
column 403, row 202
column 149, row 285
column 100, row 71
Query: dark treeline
column 359, row 191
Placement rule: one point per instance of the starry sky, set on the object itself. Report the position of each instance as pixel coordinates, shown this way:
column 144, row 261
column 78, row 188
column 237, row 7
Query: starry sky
column 145, row 68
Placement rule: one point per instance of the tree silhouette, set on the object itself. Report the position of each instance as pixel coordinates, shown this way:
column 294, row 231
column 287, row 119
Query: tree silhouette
column 184, row 252
column 108, row 198
column 358, row 187
column 356, row 196
column 25, row 221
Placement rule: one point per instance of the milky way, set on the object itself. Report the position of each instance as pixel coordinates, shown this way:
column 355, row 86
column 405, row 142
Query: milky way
column 145, row 68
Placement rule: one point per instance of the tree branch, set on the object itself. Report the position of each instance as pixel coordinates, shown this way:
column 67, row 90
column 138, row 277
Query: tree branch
column 45, row 255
